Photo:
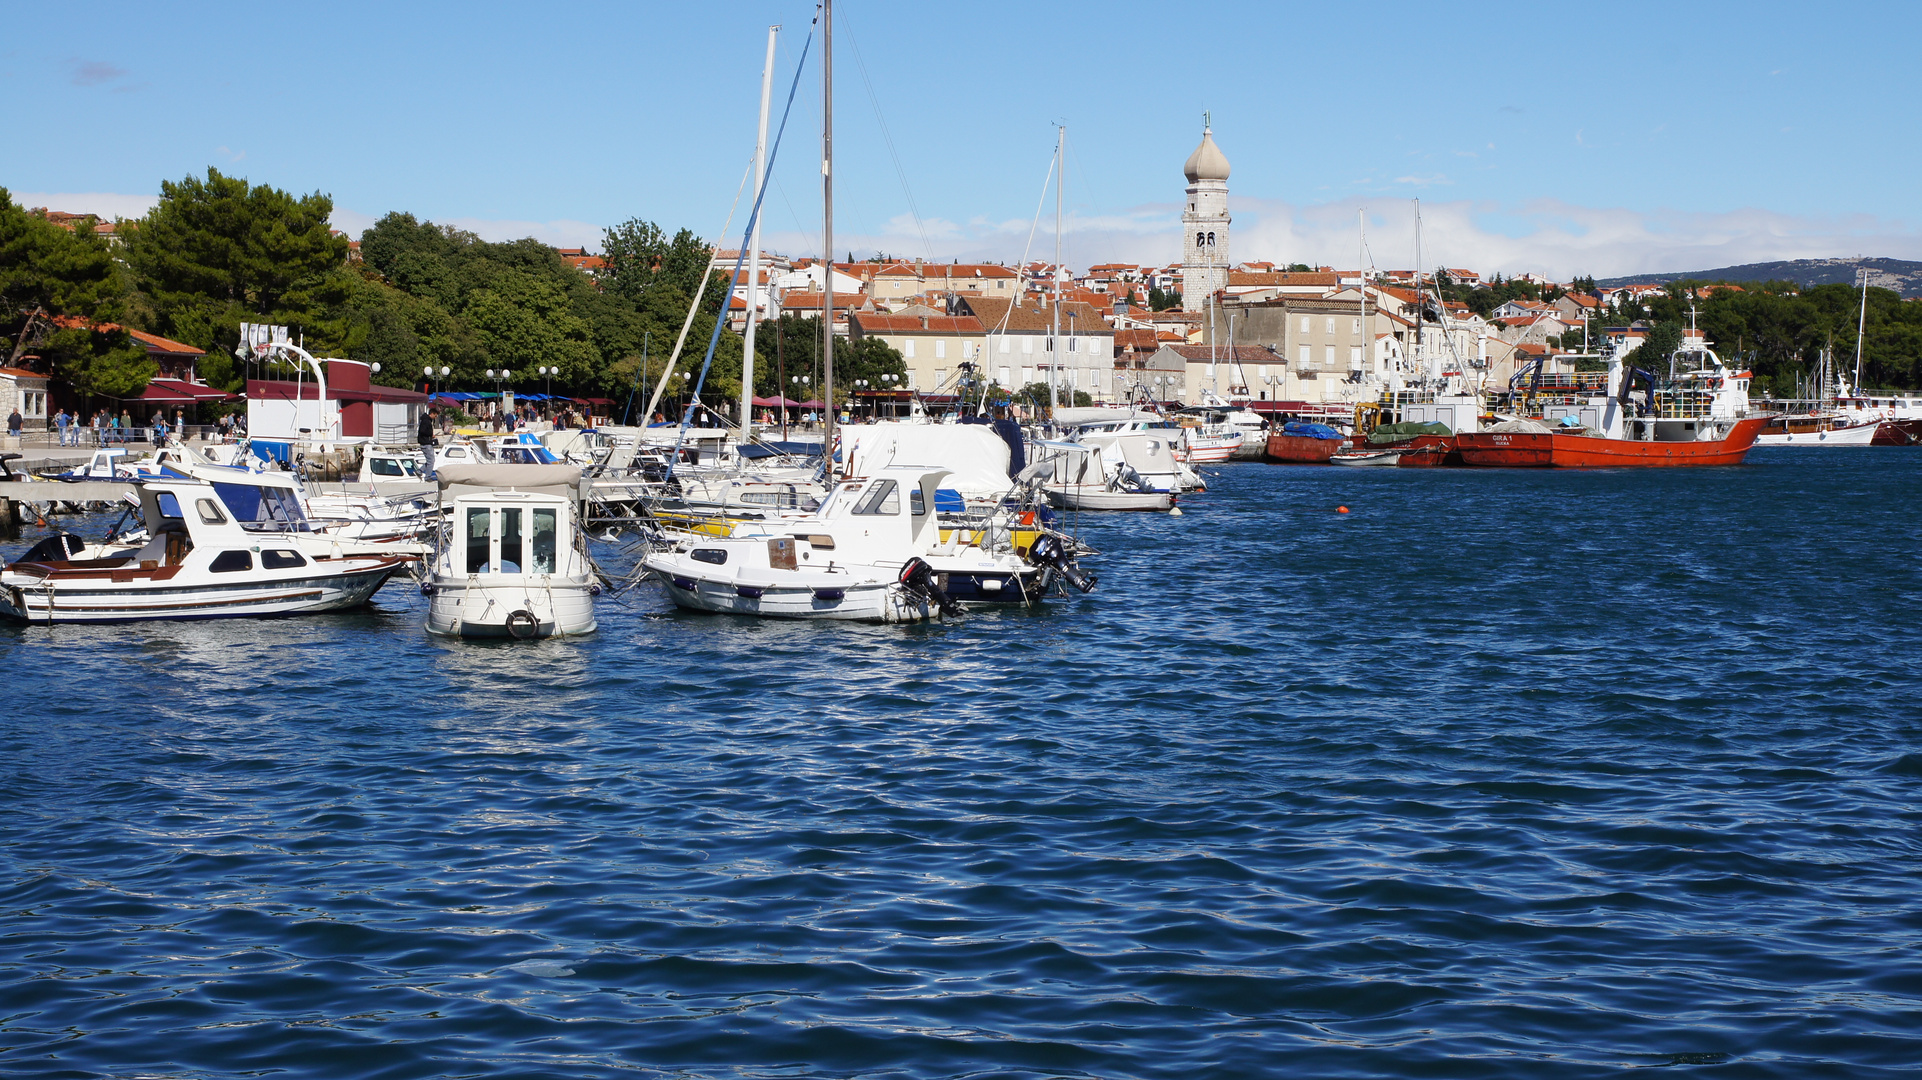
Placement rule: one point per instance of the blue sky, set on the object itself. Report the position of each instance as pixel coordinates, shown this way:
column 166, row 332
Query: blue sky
column 1606, row 139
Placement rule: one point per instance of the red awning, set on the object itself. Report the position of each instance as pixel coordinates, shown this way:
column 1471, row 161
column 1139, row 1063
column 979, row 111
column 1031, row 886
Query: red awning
column 592, row 400
column 160, row 395
column 283, row 390
column 197, row 391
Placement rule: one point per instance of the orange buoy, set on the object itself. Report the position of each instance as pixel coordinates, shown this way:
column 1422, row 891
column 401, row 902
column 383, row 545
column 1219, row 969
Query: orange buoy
column 1341, row 509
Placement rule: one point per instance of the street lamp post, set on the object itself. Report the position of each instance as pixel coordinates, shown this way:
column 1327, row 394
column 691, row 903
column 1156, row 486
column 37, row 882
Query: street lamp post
column 548, row 374
column 800, row 383
column 501, row 376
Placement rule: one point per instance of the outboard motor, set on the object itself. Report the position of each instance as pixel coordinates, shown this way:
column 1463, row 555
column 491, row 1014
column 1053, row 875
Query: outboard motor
column 917, row 577
column 1048, row 550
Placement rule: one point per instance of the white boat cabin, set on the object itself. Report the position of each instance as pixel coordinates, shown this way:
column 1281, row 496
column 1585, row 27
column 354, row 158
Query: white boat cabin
column 510, row 532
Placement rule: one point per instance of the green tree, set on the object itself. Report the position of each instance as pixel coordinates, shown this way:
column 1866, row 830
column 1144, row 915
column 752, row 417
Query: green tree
column 63, row 293
column 217, row 252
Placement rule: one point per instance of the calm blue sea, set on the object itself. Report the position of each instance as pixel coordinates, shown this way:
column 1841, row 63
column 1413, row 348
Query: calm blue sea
column 1502, row 774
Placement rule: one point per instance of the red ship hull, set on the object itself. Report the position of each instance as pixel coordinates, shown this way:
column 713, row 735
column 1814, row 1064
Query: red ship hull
column 1524, row 450
column 1429, row 452
column 1302, row 449
column 1898, row 433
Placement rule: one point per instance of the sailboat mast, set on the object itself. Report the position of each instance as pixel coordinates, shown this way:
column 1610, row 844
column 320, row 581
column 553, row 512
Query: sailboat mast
column 1054, row 340
column 827, row 232
column 754, row 245
column 1861, row 325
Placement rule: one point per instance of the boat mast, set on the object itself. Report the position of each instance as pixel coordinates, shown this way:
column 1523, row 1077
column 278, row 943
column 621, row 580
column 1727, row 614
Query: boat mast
column 827, row 232
column 1861, row 324
column 754, row 245
column 1054, row 341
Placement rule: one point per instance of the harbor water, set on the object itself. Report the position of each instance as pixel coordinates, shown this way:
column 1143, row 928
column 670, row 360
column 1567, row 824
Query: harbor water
column 1498, row 774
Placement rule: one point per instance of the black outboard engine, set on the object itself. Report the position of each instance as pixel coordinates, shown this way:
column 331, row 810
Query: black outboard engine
column 60, row 547
column 918, row 578
column 1048, row 550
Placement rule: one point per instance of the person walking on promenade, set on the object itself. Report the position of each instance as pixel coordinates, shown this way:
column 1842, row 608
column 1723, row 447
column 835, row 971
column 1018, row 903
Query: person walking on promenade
column 13, row 423
column 426, row 437
column 60, row 427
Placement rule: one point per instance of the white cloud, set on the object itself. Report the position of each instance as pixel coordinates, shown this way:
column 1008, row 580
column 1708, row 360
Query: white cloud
column 1546, row 237
column 106, row 204
column 560, row 233
column 1558, row 239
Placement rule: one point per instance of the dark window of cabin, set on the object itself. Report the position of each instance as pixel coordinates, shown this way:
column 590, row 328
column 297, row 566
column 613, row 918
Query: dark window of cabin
column 477, row 534
column 229, row 562
column 511, row 561
column 281, row 559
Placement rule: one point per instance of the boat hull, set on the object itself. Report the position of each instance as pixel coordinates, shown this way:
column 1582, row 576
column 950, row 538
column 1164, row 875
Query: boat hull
column 1302, row 449
column 1859, row 435
column 1367, row 459
column 1076, row 498
column 1518, row 449
column 1897, row 433
column 522, row 610
column 68, row 598
column 1430, row 452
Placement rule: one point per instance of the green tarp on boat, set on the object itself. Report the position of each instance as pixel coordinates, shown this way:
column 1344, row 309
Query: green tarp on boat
column 1394, row 433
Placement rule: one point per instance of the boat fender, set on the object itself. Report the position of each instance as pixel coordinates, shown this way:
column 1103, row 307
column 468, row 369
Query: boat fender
column 427, row 588
column 522, row 624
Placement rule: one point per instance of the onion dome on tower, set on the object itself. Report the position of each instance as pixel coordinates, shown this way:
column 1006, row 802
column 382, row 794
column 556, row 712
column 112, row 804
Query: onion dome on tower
column 1207, row 162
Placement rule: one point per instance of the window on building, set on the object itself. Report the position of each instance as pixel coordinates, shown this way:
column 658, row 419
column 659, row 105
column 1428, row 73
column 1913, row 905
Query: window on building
column 1201, row 239
column 1329, row 354
column 1211, row 239
column 912, row 381
column 1005, row 344
column 1331, row 324
column 1354, row 358
column 940, row 350
column 1357, row 324
column 907, row 348
column 1027, row 345
column 1074, row 344
column 1005, row 374
column 1305, row 324
column 1307, row 356
column 940, row 376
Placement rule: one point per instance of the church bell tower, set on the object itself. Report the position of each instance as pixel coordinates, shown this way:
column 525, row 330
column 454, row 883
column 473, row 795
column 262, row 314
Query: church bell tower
column 1204, row 248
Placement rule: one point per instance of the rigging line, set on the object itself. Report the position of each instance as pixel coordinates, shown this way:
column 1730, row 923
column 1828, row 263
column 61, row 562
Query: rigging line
column 740, row 260
column 1033, row 226
column 887, row 137
column 694, row 304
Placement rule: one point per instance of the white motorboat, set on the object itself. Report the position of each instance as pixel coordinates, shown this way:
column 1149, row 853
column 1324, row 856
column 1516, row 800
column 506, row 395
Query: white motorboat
column 511, row 564
column 1366, row 457
column 200, row 561
column 1093, row 476
column 874, row 552
column 1208, row 444
column 1821, row 429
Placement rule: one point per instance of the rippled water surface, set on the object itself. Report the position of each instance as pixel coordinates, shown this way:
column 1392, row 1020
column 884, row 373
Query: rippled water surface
column 1546, row 774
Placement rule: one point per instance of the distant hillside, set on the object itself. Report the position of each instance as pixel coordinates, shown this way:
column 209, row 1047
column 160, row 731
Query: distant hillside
column 1902, row 276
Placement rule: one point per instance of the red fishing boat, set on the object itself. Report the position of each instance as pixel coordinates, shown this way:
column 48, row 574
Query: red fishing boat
column 1697, row 416
column 1304, row 444
column 1555, row 449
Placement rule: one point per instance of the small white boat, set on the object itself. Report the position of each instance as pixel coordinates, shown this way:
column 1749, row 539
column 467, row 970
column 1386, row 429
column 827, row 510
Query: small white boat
column 1825, row 429
column 1366, row 457
column 874, row 552
column 511, row 564
column 1097, row 476
column 200, row 561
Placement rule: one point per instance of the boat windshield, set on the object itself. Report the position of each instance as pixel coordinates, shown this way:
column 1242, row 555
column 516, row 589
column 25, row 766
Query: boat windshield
column 263, row 509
